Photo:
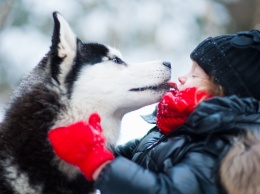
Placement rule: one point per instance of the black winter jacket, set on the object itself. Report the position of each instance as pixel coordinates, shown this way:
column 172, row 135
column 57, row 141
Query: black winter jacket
column 187, row 160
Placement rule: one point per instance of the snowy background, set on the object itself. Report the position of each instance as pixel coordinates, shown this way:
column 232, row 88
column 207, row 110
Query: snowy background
column 142, row 30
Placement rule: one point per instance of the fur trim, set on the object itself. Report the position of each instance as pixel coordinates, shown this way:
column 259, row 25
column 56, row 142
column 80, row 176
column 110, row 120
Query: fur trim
column 240, row 169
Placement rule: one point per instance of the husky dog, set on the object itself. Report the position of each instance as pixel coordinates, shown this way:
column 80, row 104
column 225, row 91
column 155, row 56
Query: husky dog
column 72, row 81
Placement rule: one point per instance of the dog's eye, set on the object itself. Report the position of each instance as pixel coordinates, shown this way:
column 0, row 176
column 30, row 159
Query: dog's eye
column 117, row 60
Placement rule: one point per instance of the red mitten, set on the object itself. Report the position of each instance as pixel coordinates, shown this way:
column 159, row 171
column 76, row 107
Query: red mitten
column 175, row 107
column 81, row 144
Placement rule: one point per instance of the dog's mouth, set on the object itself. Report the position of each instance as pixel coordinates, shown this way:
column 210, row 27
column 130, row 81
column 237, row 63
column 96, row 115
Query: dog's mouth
column 163, row 86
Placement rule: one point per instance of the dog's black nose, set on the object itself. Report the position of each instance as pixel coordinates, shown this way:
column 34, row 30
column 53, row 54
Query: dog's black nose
column 167, row 64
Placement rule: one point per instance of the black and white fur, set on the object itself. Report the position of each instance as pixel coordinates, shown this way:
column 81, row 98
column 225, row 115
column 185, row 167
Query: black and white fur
column 72, row 81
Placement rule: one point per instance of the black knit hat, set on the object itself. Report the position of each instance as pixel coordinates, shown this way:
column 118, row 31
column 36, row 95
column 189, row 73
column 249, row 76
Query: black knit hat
column 233, row 61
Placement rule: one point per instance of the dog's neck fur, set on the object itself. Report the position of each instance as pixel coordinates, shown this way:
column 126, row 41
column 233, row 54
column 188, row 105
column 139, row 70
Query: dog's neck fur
column 111, row 126
column 110, row 121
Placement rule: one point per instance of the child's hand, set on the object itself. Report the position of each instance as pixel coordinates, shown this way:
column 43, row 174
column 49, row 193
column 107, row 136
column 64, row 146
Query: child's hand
column 81, row 144
column 175, row 107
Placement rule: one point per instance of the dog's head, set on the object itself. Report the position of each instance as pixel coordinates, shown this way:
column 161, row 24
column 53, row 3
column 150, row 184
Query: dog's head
column 94, row 77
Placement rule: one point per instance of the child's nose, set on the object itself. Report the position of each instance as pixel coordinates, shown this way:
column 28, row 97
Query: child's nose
column 182, row 79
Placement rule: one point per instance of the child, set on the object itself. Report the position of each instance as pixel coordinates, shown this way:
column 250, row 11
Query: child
column 197, row 147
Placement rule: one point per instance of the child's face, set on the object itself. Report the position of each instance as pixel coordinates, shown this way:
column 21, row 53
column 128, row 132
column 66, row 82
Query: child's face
column 196, row 77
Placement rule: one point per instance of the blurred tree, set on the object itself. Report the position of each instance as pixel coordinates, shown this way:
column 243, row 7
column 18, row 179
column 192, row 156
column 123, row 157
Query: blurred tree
column 5, row 9
column 245, row 14
column 256, row 17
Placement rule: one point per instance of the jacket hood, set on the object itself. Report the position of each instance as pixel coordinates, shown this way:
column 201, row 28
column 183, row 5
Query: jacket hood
column 220, row 114
column 240, row 170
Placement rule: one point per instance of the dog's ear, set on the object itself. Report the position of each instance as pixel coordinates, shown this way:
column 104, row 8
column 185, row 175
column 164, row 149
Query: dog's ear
column 63, row 48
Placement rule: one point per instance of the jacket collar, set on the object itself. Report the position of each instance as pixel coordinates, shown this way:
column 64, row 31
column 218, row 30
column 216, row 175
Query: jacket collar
column 220, row 114
column 150, row 118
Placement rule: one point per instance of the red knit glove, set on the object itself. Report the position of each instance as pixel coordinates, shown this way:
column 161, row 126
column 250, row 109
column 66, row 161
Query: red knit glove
column 175, row 107
column 81, row 144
